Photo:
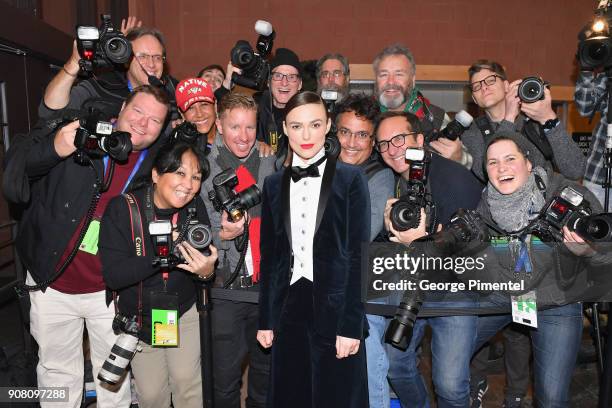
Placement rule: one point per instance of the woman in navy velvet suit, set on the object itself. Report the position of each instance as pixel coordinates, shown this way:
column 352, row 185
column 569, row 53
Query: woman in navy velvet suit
column 315, row 218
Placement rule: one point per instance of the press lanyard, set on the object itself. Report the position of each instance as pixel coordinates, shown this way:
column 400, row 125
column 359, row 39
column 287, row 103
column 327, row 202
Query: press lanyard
column 523, row 261
column 142, row 156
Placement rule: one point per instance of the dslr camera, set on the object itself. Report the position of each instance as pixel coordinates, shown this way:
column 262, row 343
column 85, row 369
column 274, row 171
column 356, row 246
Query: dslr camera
column 531, row 89
column 465, row 226
column 122, row 351
column 96, row 137
column 224, row 197
column 406, row 211
column 167, row 254
column 102, row 47
column 185, row 132
column 570, row 209
column 255, row 68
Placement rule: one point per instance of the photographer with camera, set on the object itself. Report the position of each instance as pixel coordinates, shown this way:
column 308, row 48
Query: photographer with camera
column 524, row 106
column 232, row 199
column 333, row 79
column 284, row 82
column 152, row 271
column 55, row 235
column 448, row 186
column 516, row 193
column 109, row 89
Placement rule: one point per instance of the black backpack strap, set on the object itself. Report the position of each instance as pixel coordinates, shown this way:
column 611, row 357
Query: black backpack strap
column 485, row 127
column 534, row 132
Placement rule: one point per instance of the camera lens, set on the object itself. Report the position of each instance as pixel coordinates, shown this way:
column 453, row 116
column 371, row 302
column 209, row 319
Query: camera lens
column 186, row 132
column 250, row 197
column 405, row 215
column 332, row 146
column 595, row 52
column 531, row 89
column 118, row 145
column 199, row 236
column 242, row 55
column 118, row 50
column 596, row 228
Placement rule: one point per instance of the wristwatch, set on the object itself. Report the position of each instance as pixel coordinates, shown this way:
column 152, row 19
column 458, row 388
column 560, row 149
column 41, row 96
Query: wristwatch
column 550, row 124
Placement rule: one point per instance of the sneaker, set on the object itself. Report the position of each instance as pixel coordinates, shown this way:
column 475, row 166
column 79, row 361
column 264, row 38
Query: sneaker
column 513, row 402
column 477, row 393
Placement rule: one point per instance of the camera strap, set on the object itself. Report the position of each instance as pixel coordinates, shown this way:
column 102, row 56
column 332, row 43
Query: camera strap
column 139, row 247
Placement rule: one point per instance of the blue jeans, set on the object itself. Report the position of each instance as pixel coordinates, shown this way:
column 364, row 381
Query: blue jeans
column 451, row 345
column 378, row 362
column 556, row 343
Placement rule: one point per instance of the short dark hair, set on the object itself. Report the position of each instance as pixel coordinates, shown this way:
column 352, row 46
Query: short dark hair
column 492, row 66
column 361, row 105
column 137, row 32
column 337, row 56
column 168, row 158
column 210, row 68
column 412, row 120
column 304, row 98
column 159, row 94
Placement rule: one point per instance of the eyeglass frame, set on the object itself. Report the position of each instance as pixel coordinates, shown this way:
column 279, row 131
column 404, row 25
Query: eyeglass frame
column 337, row 73
column 350, row 134
column 286, row 76
column 144, row 57
column 483, row 81
column 390, row 141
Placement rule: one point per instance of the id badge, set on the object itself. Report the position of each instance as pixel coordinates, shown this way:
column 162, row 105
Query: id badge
column 525, row 309
column 164, row 319
column 90, row 240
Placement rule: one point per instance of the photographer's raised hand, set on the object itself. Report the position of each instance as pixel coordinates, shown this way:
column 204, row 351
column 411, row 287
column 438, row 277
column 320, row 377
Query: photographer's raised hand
column 227, row 81
column 196, row 262
column 63, row 141
column 129, row 24
column 231, row 230
column 57, row 93
column 541, row 110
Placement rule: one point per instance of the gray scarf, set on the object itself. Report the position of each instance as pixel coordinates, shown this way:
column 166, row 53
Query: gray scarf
column 513, row 212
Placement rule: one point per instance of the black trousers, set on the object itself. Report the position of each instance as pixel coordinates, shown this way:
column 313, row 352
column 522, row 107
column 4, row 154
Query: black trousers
column 234, row 327
column 305, row 370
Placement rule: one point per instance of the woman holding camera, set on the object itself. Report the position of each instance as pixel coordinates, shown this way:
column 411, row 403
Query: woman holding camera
column 515, row 195
column 155, row 278
column 315, row 218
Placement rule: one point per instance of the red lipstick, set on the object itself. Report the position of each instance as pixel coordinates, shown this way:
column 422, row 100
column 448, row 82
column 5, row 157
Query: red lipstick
column 307, row 146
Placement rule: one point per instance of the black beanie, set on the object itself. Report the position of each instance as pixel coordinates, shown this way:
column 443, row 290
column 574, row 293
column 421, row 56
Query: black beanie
column 284, row 56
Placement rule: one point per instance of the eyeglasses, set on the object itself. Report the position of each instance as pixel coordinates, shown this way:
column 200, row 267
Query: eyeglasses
column 277, row 76
column 157, row 59
column 360, row 134
column 490, row 80
column 397, row 141
column 327, row 74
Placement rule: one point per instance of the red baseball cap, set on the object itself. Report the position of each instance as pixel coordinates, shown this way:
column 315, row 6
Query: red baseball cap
column 192, row 90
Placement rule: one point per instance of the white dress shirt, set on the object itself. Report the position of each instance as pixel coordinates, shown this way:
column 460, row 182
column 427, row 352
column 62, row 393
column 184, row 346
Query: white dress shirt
column 304, row 201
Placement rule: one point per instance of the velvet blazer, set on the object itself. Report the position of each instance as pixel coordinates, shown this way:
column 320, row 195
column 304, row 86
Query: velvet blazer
column 342, row 228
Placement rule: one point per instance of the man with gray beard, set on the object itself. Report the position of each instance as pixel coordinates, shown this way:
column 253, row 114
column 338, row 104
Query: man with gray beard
column 333, row 74
column 395, row 89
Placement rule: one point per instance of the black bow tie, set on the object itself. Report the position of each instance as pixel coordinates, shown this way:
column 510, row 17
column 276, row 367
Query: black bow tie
column 298, row 173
